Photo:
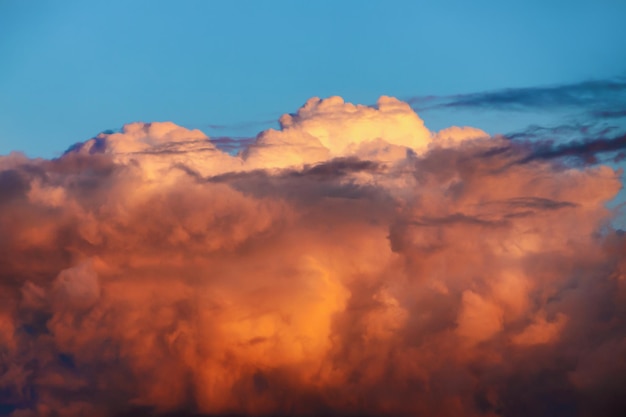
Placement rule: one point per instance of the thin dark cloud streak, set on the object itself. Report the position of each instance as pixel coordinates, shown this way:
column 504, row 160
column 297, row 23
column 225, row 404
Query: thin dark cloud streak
column 602, row 95
column 610, row 114
column 241, row 125
column 583, row 112
column 566, row 132
column 232, row 144
column 586, row 151
column 532, row 202
column 538, row 132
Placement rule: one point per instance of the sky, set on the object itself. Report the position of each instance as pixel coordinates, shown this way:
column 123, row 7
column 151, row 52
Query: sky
column 72, row 69
column 306, row 209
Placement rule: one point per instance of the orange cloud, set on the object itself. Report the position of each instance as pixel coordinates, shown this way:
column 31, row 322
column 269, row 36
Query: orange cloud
column 351, row 263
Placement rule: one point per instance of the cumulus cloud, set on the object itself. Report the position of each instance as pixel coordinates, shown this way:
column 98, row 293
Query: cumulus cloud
column 350, row 263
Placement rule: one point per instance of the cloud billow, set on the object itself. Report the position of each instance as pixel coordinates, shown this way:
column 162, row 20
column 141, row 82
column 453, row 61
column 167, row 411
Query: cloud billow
column 351, row 262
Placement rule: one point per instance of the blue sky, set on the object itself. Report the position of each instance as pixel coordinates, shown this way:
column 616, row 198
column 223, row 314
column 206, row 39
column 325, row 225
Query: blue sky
column 71, row 69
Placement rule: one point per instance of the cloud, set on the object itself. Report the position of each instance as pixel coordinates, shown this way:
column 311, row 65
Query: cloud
column 350, row 263
column 231, row 144
column 605, row 94
column 585, row 151
column 583, row 111
column 610, row 114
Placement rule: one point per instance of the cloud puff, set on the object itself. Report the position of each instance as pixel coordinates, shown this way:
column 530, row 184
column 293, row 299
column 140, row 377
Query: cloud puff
column 322, row 129
column 156, row 147
column 351, row 263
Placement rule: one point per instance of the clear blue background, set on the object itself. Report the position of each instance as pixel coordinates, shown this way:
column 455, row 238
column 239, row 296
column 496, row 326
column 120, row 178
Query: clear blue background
column 69, row 69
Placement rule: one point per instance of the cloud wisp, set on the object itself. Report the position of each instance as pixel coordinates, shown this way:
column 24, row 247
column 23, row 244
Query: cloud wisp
column 581, row 112
column 609, row 94
column 582, row 152
column 352, row 262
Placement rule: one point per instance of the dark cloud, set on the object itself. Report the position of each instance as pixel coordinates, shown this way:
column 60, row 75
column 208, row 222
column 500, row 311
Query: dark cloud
column 609, row 114
column 13, row 185
column 535, row 132
column 259, row 124
column 337, row 167
column 231, row 144
column 586, row 151
column 604, row 95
